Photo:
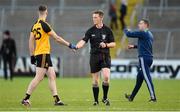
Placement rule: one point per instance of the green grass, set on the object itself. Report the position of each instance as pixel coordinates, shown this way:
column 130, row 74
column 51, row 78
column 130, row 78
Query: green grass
column 76, row 92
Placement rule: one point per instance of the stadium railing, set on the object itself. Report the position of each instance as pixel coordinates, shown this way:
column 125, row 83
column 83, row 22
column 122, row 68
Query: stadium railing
column 20, row 31
column 165, row 30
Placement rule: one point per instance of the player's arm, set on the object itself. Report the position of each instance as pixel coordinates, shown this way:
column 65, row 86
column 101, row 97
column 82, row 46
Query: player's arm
column 31, row 44
column 58, row 38
column 31, row 48
column 46, row 27
column 133, row 34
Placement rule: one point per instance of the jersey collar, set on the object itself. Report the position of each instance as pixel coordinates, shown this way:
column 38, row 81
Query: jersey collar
column 101, row 26
column 41, row 19
column 146, row 30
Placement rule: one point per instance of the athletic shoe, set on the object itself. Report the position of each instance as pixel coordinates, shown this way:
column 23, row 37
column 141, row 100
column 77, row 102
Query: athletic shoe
column 152, row 100
column 96, row 103
column 59, row 103
column 26, row 103
column 128, row 97
column 106, row 102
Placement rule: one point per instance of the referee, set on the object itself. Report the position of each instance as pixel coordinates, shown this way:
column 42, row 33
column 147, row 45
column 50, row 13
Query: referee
column 101, row 39
column 145, row 41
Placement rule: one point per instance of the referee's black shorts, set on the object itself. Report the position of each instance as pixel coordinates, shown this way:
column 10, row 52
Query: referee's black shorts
column 43, row 61
column 99, row 61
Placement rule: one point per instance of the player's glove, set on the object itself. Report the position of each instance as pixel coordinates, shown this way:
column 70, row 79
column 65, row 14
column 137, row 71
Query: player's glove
column 72, row 46
column 33, row 60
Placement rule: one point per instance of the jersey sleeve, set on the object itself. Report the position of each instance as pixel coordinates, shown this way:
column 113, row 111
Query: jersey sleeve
column 32, row 28
column 46, row 27
column 111, row 36
column 86, row 37
column 133, row 34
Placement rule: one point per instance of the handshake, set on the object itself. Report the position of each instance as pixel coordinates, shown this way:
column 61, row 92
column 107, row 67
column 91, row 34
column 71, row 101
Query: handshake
column 81, row 44
column 72, row 46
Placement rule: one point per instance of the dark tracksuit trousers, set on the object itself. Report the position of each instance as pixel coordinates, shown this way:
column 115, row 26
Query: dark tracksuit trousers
column 144, row 74
column 8, row 61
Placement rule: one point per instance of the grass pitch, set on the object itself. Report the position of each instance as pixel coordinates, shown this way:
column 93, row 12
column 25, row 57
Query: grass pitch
column 77, row 93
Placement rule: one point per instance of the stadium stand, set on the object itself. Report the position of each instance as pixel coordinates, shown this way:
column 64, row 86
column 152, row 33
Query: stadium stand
column 51, row 3
column 71, row 18
column 167, row 18
column 164, row 21
column 68, row 18
column 158, row 3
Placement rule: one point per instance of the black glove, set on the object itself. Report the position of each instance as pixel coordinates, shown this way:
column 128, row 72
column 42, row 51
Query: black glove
column 72, row 46
column 33, row 60
column 135, row 46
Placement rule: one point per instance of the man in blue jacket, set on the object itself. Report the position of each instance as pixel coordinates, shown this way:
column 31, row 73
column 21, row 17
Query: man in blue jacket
column 144, row 46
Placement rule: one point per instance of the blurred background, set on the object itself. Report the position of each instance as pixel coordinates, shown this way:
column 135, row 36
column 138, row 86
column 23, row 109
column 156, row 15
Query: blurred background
column 71, row 18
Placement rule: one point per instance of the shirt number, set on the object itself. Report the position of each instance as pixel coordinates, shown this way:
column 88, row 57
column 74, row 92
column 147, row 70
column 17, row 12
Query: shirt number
column 37, row 33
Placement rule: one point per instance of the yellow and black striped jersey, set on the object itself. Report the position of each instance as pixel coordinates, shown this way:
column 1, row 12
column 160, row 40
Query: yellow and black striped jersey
column 40, row 30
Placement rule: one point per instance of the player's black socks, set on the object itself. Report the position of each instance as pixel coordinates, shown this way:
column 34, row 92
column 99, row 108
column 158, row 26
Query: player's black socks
column 95, row 92
column 56, row 98
column 105, row 87
column 27, row 96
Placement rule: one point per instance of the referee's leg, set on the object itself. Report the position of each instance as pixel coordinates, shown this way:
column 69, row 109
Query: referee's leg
column 105, row 84
column 94, row 65
column 95, row 87
column 145, row 65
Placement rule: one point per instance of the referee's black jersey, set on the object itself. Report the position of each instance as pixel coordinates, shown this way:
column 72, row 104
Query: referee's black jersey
column 98, row 35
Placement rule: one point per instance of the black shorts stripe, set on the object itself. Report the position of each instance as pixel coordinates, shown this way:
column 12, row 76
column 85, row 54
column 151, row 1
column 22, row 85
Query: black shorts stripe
column 43, row 61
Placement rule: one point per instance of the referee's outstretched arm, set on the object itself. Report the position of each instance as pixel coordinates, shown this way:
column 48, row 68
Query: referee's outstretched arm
column 80, row 44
